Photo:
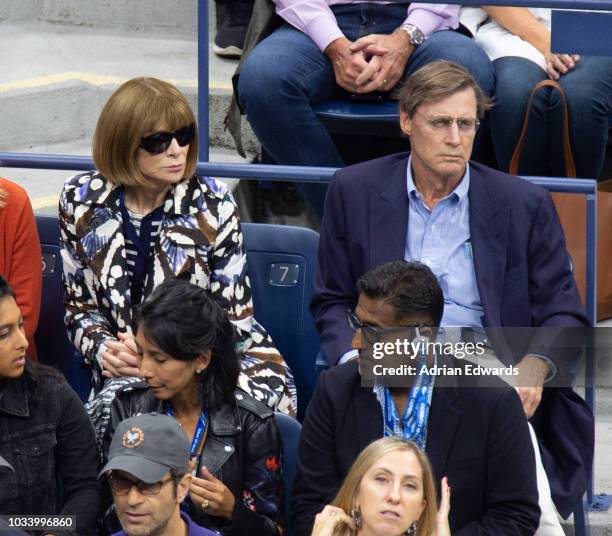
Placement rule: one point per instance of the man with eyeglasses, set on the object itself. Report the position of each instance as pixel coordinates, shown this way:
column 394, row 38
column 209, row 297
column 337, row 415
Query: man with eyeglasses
column 494, row 242
column 472, row 429
column 148, row 472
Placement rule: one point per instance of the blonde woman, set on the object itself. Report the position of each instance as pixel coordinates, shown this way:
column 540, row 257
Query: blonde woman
column 143, row 217
column 389, row 491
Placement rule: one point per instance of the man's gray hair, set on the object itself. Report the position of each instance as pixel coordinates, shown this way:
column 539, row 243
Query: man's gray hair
column 438, row 80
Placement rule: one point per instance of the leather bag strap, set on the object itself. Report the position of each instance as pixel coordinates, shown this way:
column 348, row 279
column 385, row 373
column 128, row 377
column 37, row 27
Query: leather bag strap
column 570, row 168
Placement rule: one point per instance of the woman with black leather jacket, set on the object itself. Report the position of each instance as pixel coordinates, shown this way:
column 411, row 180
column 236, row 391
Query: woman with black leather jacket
column 45, row 436
column 189, row 367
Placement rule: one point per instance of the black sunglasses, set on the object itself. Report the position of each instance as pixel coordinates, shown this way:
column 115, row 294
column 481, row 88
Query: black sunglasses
column 158, row 142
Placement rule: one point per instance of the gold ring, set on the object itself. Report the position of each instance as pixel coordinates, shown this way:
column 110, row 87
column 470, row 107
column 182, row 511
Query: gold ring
column 205, row 504
column 384, row 81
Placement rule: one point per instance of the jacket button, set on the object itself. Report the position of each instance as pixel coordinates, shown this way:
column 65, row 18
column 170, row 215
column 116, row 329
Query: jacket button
column 228, row 448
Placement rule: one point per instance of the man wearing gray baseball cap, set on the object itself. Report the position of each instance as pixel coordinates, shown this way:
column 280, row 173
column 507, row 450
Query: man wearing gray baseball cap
column 148, row 472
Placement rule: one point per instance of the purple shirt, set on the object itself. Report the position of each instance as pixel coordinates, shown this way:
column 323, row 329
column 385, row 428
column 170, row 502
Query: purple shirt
column 317, row 21
column 192, row 528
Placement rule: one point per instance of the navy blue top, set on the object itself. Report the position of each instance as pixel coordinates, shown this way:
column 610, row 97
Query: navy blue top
column 192, row 528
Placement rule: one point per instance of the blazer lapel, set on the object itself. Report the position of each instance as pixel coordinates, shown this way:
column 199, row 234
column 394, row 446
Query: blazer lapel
column 443, row 422
column 489, row 227
column 367, row 417
column 388, row 213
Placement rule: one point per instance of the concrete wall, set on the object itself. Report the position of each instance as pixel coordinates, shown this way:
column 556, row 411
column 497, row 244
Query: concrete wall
column 127, row 14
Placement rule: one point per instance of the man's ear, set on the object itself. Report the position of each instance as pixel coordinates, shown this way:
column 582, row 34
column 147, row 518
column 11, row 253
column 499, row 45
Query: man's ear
column 429, row 332
column 183, row 488
column 405, row 123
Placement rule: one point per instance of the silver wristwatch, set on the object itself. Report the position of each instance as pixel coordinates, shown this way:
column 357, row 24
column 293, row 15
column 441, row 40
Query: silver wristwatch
column 415, row 36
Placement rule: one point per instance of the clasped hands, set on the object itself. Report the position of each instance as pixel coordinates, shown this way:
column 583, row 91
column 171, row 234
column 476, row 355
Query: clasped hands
column 120, row 357
column 375, row 62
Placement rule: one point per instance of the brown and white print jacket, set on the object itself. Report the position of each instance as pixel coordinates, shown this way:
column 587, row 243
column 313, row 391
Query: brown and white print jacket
column 199, row 239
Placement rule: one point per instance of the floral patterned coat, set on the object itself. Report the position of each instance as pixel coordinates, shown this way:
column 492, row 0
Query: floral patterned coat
column 199, row 238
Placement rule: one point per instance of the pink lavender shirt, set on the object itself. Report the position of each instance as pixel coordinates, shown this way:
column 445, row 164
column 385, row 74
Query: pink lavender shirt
column 317, row 21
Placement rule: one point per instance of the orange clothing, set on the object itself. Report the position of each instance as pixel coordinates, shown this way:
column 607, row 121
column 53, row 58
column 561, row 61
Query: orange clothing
column 20, row 257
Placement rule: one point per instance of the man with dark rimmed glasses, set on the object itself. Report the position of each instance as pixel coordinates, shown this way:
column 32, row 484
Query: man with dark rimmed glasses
column 473, row 429
column 148, row 472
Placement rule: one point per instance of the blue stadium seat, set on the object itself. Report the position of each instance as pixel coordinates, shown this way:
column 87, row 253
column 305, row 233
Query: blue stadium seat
column 290, row 430
column 360, row 118
column 51, row 338
column 282, row 260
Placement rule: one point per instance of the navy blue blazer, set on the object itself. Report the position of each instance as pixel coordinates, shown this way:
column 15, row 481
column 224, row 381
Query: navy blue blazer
column 476, row 436
column 523, row 274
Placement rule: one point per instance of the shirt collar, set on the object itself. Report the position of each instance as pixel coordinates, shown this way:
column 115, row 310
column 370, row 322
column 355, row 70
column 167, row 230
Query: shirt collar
column 459, row 193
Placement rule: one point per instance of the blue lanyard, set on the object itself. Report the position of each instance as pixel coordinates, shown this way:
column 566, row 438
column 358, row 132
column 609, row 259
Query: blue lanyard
column 413, row 421
column 197, row 445
column 198, row 436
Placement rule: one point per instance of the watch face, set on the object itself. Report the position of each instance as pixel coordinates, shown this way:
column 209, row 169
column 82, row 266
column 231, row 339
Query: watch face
column 415, row 35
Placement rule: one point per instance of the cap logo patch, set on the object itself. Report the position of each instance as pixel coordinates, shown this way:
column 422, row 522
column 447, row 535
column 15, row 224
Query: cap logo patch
column 133, row 438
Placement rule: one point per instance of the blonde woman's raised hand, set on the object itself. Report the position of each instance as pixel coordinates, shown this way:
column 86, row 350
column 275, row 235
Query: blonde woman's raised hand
column 442, row 526
column 330, row 518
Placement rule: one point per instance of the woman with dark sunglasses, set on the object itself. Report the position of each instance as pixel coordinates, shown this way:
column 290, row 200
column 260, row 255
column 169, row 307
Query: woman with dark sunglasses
column 143, row 217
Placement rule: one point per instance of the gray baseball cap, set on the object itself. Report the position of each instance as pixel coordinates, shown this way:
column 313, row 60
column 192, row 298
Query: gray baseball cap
column 5, row 465
column 148, row 446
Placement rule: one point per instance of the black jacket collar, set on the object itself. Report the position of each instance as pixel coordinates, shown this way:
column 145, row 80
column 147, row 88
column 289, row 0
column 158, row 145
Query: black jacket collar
column 15, row 393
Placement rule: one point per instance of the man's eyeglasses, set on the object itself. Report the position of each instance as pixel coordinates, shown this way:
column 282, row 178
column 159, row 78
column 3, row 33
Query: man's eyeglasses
column 374, row 334
column 122, row 486
column 441, row 123
column 158, row 142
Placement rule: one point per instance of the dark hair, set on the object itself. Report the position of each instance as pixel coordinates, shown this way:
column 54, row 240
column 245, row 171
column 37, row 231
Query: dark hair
column 182, row 320
column 410, row 288
column 177, row 475
column 32, row 370
column 5, row 288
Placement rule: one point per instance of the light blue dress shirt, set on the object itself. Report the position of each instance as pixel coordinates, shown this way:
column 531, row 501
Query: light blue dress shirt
column 440, row 238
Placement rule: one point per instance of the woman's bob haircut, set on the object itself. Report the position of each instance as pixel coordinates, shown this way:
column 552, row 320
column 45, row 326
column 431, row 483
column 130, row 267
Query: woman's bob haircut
column 141, row 106
column 349, row 490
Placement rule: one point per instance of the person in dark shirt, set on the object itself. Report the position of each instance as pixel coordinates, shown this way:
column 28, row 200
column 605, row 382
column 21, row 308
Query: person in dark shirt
column 47, row 436
column 148, row 471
